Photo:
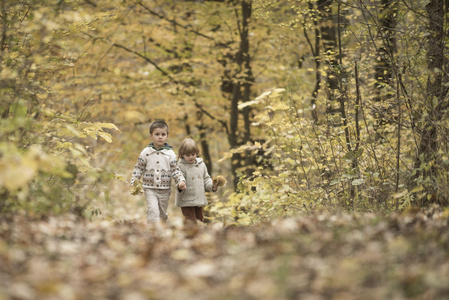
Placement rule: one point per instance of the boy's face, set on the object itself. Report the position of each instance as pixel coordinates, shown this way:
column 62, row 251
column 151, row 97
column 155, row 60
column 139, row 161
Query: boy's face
column 159, row 137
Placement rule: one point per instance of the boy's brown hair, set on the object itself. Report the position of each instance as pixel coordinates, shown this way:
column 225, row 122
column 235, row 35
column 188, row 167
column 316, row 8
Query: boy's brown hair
column 158, row 124
column 188, row 146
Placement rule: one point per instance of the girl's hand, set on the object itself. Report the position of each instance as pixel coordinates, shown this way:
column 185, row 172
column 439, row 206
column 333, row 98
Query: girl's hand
column 217, row 181
column 182, row 185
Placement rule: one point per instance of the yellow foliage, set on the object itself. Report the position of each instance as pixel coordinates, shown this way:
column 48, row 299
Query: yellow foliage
column 218, row 181
column 136, row 188
column 17, row 169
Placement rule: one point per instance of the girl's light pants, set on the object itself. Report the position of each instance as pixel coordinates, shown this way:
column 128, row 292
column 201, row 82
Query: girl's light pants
column 157, row 203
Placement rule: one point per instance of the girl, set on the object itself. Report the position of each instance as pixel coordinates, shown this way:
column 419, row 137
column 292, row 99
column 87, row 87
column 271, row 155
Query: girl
column 193, row 198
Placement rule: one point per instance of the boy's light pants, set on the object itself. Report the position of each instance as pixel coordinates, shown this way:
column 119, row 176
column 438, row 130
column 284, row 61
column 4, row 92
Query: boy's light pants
column 157, row 203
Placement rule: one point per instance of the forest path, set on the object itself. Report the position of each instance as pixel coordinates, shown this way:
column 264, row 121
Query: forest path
column 322, row 256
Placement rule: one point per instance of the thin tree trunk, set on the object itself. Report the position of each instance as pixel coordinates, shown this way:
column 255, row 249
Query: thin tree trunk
column 384, row 65
column 316, row 54
column 204, row 144
column 329, row 40
column 342, row 99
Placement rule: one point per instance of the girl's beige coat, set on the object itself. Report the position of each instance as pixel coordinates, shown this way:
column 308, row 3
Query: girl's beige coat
column 198, row 182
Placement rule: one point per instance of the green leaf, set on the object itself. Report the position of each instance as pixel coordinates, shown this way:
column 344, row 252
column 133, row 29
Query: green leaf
column 400, row 195
column 358, row 181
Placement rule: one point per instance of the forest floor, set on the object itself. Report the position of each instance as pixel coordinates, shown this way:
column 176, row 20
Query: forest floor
column 311, row 257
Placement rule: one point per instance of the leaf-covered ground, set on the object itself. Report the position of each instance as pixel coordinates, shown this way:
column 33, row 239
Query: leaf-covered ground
column 311, row 257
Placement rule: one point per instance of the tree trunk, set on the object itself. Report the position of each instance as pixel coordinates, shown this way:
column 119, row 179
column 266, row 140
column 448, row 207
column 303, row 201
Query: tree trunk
column 316, row 49
column 241, row 91
column 437, row 91
column 329, row 39
column 204, row 142
column 384, row 64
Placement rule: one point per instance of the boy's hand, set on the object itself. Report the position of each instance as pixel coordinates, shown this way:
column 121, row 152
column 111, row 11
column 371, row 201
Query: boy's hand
column 136, row 188
column 182, row 185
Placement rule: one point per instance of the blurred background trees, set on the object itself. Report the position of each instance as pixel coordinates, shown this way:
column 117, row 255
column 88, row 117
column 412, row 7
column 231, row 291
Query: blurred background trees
column 302, row 105
column 45, row 162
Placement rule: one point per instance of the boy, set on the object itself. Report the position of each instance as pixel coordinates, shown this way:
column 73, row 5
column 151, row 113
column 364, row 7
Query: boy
column 157, row 165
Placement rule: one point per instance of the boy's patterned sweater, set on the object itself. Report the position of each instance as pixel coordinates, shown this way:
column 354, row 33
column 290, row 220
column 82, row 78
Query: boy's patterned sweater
column 157, row 168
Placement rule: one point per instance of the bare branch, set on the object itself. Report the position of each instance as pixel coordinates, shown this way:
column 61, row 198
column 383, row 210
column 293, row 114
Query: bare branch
column 200, row 107
column 223, row 123
column 145, row 58
column 174, row 22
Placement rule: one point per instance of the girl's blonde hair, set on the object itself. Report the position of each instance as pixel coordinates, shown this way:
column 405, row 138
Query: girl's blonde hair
column 188, row 146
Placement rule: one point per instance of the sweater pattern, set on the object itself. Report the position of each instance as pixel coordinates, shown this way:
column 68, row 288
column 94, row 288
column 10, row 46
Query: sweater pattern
column 157, row 168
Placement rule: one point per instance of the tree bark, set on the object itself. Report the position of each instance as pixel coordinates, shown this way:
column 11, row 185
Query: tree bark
column 316, row 49
column 437, row 91
column 384, row 64
column 241, row 90
column 329, row 39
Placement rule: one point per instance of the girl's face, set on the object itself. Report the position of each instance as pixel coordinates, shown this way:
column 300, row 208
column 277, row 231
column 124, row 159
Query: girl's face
column 159, row 137
column 190, row 158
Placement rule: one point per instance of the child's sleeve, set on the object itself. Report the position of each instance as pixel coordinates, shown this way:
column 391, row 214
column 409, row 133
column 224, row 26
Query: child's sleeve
column 208, row 184
column 176, row 173
column 184, row 175
column 139, row 169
